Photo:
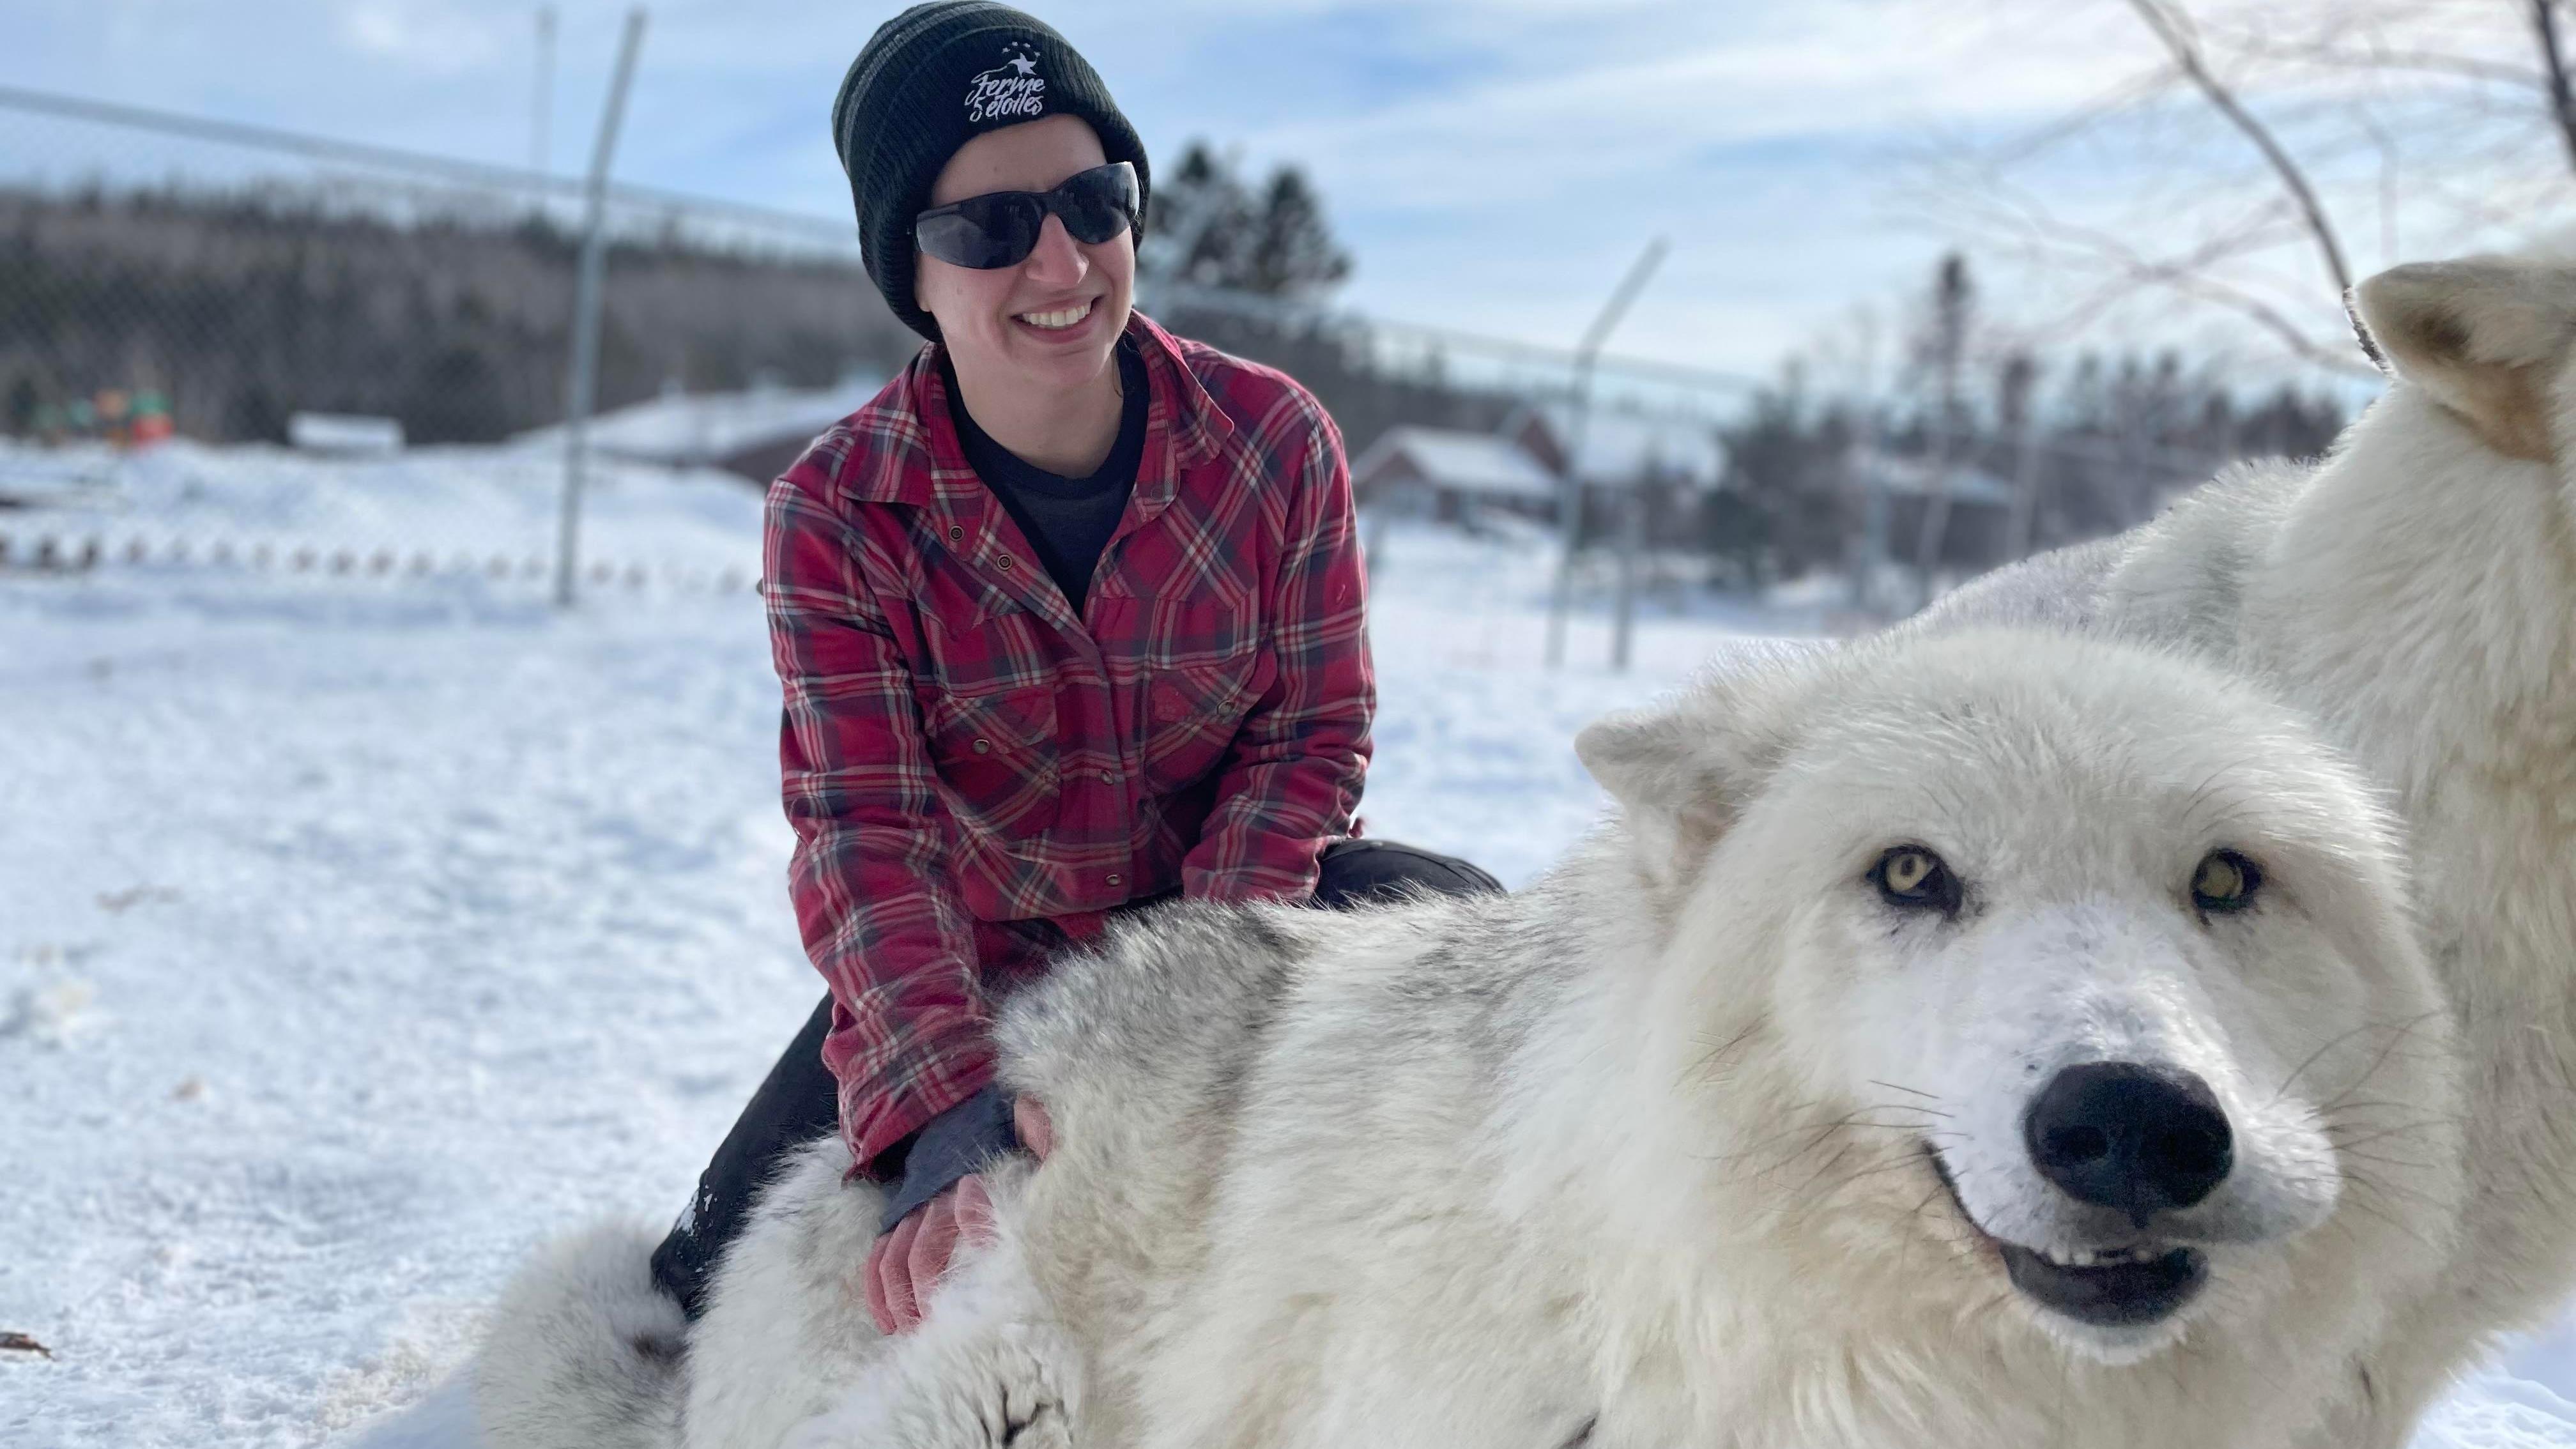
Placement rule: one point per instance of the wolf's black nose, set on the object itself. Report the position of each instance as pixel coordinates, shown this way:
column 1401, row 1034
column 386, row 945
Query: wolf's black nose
column 2136, row 1138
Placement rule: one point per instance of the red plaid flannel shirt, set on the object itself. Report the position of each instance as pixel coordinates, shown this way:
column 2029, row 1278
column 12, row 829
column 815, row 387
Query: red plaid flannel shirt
column 975, row 774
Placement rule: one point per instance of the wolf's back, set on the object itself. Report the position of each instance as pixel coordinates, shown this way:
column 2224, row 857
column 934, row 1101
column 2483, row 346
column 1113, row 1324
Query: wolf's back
column 585, row 1353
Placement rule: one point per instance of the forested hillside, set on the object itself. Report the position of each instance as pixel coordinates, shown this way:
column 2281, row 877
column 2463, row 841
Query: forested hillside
column 240, row 311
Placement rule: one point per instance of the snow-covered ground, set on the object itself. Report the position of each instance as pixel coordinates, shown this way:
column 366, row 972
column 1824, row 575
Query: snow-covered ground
column 356, row 934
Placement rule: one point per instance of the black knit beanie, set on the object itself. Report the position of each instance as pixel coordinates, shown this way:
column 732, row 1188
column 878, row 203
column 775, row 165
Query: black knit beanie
column 930, row 79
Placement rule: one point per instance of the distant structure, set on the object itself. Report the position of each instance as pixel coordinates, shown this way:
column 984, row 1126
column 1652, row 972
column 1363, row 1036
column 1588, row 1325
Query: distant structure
column 1462, row 478
column 1452, row 477
column 346, row 435
column 1979, row 503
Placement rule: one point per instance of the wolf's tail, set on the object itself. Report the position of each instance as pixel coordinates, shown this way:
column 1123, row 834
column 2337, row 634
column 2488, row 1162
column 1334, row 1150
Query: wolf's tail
column 585, row 1352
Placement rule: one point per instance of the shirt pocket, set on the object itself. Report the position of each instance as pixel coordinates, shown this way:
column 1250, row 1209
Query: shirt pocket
column 996, row 754
column 1199, row 665
column 988, row 714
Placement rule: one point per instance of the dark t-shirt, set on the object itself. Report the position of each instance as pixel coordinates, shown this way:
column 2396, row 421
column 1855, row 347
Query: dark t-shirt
column 1067, row 520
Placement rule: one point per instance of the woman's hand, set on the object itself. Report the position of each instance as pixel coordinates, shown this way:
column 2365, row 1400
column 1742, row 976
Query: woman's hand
column 1037, row 1130
column 905, row 1264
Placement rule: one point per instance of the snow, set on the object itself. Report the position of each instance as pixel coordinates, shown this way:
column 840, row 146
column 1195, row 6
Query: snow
column 358, row 933
column 680, row 427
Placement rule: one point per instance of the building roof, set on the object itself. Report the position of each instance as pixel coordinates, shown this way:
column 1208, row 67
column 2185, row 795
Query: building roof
column 1467, row 462
column 1621, row 446
column 1915, row 477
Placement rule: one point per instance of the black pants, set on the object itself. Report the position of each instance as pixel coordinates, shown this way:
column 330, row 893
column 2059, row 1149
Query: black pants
column 799, row 1102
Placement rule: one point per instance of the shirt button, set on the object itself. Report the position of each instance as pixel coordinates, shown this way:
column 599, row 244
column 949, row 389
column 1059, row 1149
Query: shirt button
column 1116, row 879
column 1003, row 562
column 955, row 533
column 983, row 747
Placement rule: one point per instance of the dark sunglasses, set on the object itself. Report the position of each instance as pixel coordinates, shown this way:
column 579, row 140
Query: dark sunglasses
column 1000, row 228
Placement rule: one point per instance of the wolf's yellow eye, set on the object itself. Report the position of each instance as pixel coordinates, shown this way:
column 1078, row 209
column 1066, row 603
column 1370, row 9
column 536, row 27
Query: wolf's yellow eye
column 1907, row 870
column 1910, row 875
column 2224, row 881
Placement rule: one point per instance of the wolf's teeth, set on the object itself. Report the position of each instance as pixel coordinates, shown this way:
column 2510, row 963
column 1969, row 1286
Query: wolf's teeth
column 2095, row 1257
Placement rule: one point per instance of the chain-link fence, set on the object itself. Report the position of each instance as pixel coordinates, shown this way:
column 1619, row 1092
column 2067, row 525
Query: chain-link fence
column 231, row 345
column 221, row 341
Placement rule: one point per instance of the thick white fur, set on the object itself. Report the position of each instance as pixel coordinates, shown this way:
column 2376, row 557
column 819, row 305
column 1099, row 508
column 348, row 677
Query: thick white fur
column 2415, row 596
column 1644, row 1155
column 585, row 1352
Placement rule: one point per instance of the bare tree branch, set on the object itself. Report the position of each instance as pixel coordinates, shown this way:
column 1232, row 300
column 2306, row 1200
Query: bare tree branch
column 2562, row 101
column 2431, row 100
column 2426, row 62
column 2113, row 101
column 2174, row 32
column 2372, row 53
column 2340, row 359
column 2189, row 273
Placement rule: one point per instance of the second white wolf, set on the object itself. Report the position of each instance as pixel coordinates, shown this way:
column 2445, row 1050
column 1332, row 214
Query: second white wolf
column 2415, row 599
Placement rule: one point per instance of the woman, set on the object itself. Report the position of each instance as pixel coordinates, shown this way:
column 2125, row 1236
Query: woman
column 1069, row 621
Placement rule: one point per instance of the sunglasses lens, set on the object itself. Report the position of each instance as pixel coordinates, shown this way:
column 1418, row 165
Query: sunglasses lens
column 1098, row 204
column 1000, row 230
column 982, row 232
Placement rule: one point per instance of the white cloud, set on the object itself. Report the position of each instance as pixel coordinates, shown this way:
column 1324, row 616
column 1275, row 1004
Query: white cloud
column 1845, row 71
column 426, row 35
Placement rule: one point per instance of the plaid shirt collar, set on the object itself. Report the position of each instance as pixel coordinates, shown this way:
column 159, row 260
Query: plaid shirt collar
column 923, row 465
column 928, row 468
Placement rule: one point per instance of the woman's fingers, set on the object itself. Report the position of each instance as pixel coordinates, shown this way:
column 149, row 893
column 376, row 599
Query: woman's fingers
column 872, row 1278
column 1037, row 1130
column 931, row 1246
column 900, row 1305
column 905, row 1265
column 974, row 1210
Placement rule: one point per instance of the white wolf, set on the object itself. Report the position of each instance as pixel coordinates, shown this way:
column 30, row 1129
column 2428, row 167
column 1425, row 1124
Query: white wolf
column 1993, row 1040
column 2415, row 597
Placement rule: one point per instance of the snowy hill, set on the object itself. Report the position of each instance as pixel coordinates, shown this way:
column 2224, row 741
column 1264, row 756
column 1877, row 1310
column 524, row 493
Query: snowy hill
column 356, row 934
column 694, row 428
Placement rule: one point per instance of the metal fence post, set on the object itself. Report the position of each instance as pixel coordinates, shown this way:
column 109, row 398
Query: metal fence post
column 1632, row 542
column 583, row 386
column 1570, row 513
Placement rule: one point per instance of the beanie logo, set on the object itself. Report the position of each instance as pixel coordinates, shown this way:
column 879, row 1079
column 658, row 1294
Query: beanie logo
column 1013, row 88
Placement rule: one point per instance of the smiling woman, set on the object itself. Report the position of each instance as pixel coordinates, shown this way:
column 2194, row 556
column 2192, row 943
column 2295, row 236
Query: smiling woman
column 1069, row 623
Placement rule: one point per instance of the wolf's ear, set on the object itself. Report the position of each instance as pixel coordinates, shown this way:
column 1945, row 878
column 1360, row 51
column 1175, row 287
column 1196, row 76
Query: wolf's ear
column 2484, row 335
column 1680, row 772
column 1669, row 773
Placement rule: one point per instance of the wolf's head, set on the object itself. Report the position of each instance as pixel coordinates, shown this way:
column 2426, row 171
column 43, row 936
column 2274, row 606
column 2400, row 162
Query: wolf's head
column 2021, row 982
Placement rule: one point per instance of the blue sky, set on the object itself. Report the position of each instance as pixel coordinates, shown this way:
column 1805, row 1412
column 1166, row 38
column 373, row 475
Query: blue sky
column 1493, row 166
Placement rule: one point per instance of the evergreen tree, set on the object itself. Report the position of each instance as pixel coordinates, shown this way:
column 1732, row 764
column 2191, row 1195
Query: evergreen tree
column 1293, row 252
column 1209, row 229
